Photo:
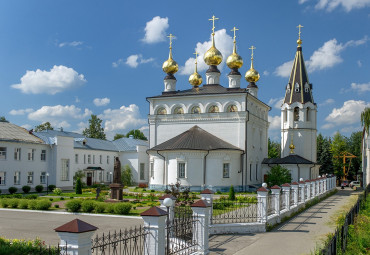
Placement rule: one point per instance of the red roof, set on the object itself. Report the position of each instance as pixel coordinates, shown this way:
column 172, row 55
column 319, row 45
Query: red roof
column 294, row 183
column 262, row 189
column 154, row 211
column 201, row 203
column 302, row 182
column 275, row 187
column 285, row 185
column 308, row 181
column 76, row 226
column 207, row 191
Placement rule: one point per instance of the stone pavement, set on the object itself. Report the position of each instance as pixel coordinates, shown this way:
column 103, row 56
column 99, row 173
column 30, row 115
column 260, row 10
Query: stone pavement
column 30, row 224
column 299, row 235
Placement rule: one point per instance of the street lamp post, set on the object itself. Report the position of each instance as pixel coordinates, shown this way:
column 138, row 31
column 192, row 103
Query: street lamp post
column 168, row 203
column 110, row 173
column 47, row 183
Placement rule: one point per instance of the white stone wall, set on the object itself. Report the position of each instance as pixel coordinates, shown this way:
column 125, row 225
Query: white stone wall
column 366, row 159
column 134, row 159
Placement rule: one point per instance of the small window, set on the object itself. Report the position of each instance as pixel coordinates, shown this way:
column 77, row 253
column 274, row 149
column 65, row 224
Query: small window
column 285, row 115
column 43, row 178
column 30, row 178
column 108, row 160
column 142, row 171
column 93, row 159
column 100, row 176
column 43, row 155
column 178, row 110
column 296, row 87
column 306, row 87
column 213, row 109
column 17, row 154
column 161, row 111
column 101, row 159
column 226, row 170
column 31, row 154
column 181, row 170
column 17, row 178
column 84, row 158
column 296, row 114
column 76, row 158
column 288, row 88
column 89, row 159
column 152, row 169
column 308, row 112
column 2, row 153
column 250, row 172
column 232, row 108
column 195, row 110
column 64, row 175
column 2, row 178
column 256, row 172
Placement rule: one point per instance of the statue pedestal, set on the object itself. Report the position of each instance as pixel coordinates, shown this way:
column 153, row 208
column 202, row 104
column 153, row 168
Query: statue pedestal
column 116, row 191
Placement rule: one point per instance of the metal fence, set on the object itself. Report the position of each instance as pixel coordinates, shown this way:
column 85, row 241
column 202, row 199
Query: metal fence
column 128, row 242
column 299, row 195
column 291, row 197
column 270, row 205
column 241, row 210
column 58, row 250
column 283, row 201
column 339, row 240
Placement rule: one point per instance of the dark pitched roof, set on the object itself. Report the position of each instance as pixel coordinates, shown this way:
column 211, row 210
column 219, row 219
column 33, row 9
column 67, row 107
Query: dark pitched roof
column 76, row 226
column 195, row 139
column 298, row 76
column 154, row 211
column 291, row 159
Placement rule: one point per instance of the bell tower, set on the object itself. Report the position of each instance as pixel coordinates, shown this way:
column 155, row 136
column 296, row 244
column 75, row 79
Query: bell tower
column 298, row 112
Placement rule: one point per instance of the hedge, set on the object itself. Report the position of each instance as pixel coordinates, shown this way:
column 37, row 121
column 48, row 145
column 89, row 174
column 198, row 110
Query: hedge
column 88, row 206
column 20, row 247
column 26, row 189
column 74, row 205
column 39, row 188
column 122, row 208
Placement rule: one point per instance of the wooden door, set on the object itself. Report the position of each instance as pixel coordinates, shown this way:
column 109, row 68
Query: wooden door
column 89, row 179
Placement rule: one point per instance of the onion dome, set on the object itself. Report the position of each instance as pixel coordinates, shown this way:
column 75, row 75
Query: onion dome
column 170, row 66
column 213, row 56
column 195, row 79
column 234, row 61
column 252, row 75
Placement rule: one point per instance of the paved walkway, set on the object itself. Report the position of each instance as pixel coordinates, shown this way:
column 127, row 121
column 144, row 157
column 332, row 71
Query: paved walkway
column 31, row 224
column 299, row 235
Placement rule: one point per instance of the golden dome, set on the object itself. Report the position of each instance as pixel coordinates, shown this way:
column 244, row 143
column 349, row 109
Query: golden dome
column 252, row 75
column 170, row 66
column 299, row 42
column 234, row 61
column 213, row 56
column 195, row 79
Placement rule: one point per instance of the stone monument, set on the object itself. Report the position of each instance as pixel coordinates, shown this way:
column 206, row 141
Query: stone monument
column 116, row 186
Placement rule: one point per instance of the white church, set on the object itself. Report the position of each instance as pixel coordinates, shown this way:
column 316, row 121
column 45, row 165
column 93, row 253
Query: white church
column 216, row 136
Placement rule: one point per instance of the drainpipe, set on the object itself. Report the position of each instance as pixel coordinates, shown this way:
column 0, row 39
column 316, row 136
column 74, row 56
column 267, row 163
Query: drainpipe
column 242, row 167
column 299, row 172
column 164, row 169
column 245, row 145
column 205, row 168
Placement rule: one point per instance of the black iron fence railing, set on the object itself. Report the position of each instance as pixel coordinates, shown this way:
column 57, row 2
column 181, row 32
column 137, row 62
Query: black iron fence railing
column 338, row 242
column 270, row 205
column 241, row 210
column 58, row 250
column 127, row 242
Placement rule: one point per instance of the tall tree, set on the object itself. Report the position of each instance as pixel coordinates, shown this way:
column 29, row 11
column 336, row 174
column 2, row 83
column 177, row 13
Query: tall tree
column 137, row 134
column 365, row 119
column 44, row 126
column 324, row 155
column 354, row 147
column 118, row 136
column 3, row 119
column 338, row 146
column 278, row 175
column 274, row 149
column 95, row 129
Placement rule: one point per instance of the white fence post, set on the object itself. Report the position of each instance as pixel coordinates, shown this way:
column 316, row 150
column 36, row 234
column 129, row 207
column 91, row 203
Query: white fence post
column 262, row 194
column 286, row 194
column 294, row 186
column 308, row 189
column 171, row 208
column 201, row 211
column 155, row 223
column 302, row 185
column 76, row 236
column 275, row 190
column 312, row 187
column 207, row 195
column 317, row 181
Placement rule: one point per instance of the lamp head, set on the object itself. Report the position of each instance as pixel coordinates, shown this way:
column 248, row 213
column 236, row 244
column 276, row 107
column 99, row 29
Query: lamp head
column 167, row 202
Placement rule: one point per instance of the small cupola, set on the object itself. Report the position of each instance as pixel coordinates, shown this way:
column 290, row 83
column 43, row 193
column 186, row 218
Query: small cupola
column 170, row 67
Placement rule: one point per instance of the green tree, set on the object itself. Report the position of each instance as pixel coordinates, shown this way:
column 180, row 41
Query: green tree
column 365, row 119
column 79, row 174
column 324, row 155
column 78, row 186
column 118, row 136
column 337, row 148
column 274, row 149
column 354, row 147
column 44, row 126
column 232, row 193
column 278, row 175
column 3, row 119
column 126, row 176
column 137, row 134
column 95, row 129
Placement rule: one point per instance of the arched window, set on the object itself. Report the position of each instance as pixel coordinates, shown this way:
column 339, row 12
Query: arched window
column 308, row 112
column 213, row 109
column 296, row 114
column 306, row 87
column 288, row 88
column 178, row 110
column 161, row 111
column 195, row 110
column 296, row 87
column 285, row 116
column 232, row 108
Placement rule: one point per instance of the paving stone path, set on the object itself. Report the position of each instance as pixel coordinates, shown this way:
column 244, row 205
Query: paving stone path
column 299, row 235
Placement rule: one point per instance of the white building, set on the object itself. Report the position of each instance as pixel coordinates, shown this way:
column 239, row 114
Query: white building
column 365, row 158
column 55, row 156
column 298, row 125
column 208, row 135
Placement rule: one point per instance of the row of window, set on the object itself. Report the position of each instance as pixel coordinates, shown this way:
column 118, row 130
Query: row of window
column 196, row 110
column 296, row 87
column 89, row 159
column 17, row 178
column 18, row 154
column 296, row 114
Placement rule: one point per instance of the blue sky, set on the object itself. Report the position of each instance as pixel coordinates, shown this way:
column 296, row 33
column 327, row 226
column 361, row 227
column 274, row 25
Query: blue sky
column 61, row 61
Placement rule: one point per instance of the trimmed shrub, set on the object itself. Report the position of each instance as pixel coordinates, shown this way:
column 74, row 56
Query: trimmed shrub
column 122, row 208
column 26, row 189
column 39, row 188
column 0, row 191
column 32, row 204
column 99, row 207
column 78, row 186
column 4, row 202
column 109, row 208
column 56, row 206
column 61, row 198
column 31, row 196
column 17, row 247
column 74, row 205
column 51, row 199
column 23, row 204
column 51, row 187
column 57, row 191
column 13, row 203
column 88, row 206
column 232, row 193
column 12, row 190
column 43, row 205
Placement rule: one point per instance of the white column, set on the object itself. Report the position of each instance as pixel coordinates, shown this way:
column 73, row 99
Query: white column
column 155, row 224
column 295, row 192
column 302, row 191
column 208, row 196
column 262, row 194
column 312, row 188
column 202, row 211
column 286, row 194
column 275, row 190
column 317, row 187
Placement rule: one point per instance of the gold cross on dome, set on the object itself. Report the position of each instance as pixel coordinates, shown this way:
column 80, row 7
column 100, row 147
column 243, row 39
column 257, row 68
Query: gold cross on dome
column 234, row 29
column 213, row 23
column 299, row 31
column 252, row 48
column 170, row 36
column 196, row 57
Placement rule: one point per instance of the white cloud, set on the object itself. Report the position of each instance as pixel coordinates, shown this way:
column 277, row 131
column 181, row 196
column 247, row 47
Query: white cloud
column 347, row 5
column 70, row 44
column 27, row 126
column 359, row 63
column 360, row 88
column 327, row 102
column 77, row 100
column 265, row 73
column 348, row 114
column 59, row 115
column 284, row 70
column 58, row 79
column 276, row 102
column 21, row 111
column 302, row 1
column 122, row 120
column 101, row 101
column 155, row 30
column 224, row 43
column 275, row 122
column 133, row 61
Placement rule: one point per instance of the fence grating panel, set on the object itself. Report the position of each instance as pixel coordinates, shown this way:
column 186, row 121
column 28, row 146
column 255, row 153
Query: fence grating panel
column 282, row 201
column 270, row 205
